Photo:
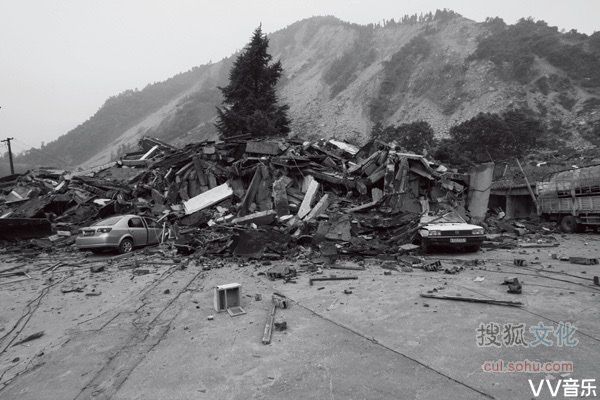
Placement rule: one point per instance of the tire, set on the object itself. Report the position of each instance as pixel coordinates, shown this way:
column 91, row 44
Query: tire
column 568, row 224
column 125, row 246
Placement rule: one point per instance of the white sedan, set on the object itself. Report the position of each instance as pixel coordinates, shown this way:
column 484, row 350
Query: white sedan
column 450, row 230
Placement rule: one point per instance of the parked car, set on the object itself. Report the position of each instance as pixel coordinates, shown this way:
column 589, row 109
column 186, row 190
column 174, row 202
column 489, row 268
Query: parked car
column 451, row 231
column 122, row 232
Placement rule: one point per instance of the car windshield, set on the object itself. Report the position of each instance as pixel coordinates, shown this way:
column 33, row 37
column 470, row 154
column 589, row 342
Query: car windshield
column 107, row 221
column 450, row 217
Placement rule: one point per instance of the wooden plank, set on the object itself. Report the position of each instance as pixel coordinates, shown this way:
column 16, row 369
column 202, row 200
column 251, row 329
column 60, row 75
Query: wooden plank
column 334, row 179
column 269, row 326
column 149, row 153
column 184, row 168
column 347, row 147
column 475, row 300
column 583, row 260
column 311, row 192
column 346, row 267
column 258, row 218
column 363, row 207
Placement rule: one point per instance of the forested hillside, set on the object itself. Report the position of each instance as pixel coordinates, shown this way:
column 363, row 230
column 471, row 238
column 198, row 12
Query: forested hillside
column 340, row 79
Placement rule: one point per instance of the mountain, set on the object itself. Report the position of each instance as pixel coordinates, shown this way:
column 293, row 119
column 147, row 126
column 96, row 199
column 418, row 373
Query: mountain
column 340, row 78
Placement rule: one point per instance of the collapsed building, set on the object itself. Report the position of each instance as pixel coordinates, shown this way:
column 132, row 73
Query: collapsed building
column 247, row 197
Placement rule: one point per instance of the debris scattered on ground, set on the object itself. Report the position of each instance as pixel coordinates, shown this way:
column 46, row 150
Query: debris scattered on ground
column 278, row 301
column 96, row 268
column 280, row 325
column 29, row 338
column 141, row 271
column 583, row 260
column 281, row 272
column 514, row 286
column 73, row 288
column 243, row 197
column 474, row 300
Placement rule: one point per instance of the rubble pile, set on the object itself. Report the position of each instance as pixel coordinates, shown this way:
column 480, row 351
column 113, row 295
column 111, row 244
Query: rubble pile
column 530, row 232
column 243, row 197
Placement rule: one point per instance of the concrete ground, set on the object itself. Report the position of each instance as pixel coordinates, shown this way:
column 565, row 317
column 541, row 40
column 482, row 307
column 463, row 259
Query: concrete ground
column 129, row 336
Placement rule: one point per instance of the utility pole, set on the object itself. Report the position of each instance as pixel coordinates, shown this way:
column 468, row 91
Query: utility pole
column 7, row 140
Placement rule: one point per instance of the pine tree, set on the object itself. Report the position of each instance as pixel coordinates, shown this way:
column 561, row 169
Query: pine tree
column 249, row 100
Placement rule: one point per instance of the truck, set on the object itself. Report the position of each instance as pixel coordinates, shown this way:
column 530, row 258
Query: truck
column 571, row 198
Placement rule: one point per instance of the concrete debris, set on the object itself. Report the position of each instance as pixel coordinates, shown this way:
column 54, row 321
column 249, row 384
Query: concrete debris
column 583, row 260
column 281, row 272
column 209, row 197
column 514, row 286
column 96, row 268
column 280, row 325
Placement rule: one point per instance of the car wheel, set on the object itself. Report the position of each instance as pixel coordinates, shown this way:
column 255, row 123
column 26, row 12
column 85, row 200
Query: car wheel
column 425, row 247
column 568, row 224
column 125, row 246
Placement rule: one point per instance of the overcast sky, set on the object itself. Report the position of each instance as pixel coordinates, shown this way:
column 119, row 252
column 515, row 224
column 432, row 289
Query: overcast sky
column 60, row 59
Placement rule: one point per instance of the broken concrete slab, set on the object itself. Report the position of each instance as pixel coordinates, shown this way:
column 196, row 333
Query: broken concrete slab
column 208, row 198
